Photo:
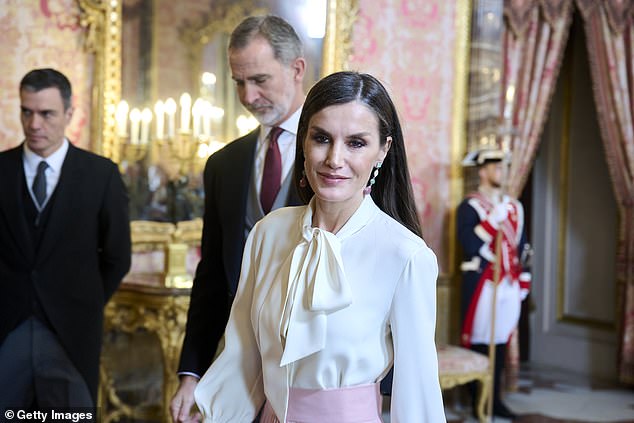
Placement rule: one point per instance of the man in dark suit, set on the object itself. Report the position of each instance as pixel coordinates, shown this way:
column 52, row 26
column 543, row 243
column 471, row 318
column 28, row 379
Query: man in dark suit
column 243, row 181
column 64, row 248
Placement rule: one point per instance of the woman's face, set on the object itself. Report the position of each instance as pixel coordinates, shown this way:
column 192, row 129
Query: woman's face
column 341, row 148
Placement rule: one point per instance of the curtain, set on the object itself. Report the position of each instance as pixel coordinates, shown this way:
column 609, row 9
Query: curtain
column 534, row 42
column 610, row 44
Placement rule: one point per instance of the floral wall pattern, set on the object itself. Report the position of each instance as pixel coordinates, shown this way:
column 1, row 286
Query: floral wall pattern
column 38, row 34
column 409, row 45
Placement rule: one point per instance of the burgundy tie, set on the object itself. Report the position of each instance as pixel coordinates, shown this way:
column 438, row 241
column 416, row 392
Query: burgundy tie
column 272, row 176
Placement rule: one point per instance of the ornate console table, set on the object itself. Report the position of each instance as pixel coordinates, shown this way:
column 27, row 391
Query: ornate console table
column 159, row 311
column 145, row 321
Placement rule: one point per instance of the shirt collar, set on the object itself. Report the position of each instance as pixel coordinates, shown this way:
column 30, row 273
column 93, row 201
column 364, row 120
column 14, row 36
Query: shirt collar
column 289, row 125
column 359, row 219
column 54, row 161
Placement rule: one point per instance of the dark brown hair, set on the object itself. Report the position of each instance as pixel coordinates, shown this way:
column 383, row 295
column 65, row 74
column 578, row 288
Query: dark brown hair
column 40, row 79
column 392, row 191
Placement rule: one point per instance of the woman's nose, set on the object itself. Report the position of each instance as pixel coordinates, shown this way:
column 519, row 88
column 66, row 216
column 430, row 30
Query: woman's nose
column 335, row 155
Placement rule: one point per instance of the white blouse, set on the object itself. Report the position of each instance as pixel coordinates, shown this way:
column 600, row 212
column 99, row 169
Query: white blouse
column 319, row 311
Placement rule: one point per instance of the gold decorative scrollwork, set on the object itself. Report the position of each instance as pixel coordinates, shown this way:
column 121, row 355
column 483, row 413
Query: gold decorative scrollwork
column 102, row 19
column 160, row 311
column 338, row 40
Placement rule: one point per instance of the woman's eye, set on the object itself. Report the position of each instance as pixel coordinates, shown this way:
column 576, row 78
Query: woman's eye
column 321, row 139
column 356, row 143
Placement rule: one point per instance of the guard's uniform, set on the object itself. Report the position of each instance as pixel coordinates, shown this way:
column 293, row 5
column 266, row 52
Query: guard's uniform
column 477, row 231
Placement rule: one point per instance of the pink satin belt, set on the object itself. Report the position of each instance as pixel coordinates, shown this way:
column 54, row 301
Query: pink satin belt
column 355, row 404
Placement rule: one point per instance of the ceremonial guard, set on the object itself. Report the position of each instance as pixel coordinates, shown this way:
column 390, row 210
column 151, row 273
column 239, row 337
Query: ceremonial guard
column 481, row 216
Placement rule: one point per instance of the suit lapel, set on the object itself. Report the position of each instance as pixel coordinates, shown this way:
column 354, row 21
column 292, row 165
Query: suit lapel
column 239, row 179
column 63, row 205
column 12, row 201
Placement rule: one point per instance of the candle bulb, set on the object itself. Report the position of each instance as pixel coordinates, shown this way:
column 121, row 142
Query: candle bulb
column 135, row 118
column 121, row 117
column 207, row 119
column 186, row 104
column 159, row 111
column 146, row 118
column 170, row 110
column 209, row 84
column 197, row 114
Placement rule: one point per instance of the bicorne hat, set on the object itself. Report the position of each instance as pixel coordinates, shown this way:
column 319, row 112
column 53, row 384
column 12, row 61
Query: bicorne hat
column 482, row 156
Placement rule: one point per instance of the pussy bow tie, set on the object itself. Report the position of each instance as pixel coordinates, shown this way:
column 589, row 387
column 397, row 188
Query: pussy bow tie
column 317, row 286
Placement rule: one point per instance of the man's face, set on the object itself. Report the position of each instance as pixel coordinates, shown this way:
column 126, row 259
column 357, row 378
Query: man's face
column 491, row 174
column 267, row 88
column 44, row 120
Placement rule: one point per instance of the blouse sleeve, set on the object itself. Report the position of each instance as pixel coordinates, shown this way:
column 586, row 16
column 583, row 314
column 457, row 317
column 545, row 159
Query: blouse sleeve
column 416, row 394
column 231, row 390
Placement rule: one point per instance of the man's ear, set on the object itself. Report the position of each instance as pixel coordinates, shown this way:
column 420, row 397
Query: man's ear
column 68, row 114
column 481, row 172
column 299, row 68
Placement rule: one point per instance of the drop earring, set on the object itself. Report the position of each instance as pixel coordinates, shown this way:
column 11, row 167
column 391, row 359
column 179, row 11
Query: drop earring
column 368, row 189
column 302, row 181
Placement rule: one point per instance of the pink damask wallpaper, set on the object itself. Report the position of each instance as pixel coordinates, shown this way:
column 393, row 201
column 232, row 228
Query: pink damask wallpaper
column 410, row 46
column 38, row 34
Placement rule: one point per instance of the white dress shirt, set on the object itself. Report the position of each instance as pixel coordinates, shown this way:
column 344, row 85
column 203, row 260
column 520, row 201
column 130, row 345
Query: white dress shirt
column 30, row 161
column 286, row 142
column 318, row 311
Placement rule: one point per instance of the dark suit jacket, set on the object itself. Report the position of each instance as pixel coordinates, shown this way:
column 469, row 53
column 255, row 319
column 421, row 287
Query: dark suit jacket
column 227, row 180
column 83, row 254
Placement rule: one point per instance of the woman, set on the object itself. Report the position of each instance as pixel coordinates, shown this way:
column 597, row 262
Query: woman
column 333, row 293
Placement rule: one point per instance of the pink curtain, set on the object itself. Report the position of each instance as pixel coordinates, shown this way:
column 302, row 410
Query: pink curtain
column 609, row 27
column 534, row 41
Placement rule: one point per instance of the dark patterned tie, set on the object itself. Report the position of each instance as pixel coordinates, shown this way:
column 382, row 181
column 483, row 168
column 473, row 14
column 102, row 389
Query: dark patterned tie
column 39, row 183
column 272, row 176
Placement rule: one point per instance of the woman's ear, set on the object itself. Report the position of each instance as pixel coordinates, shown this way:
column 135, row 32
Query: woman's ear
column 385, row 148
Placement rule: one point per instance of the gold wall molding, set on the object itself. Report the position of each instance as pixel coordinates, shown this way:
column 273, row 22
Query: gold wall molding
column 337, row 47
column 458, row 147
column 459, row 111
column 564, row 190
column 102, row 21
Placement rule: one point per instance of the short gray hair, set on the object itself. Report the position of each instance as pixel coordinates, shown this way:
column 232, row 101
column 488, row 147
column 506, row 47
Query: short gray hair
column 280, row 35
